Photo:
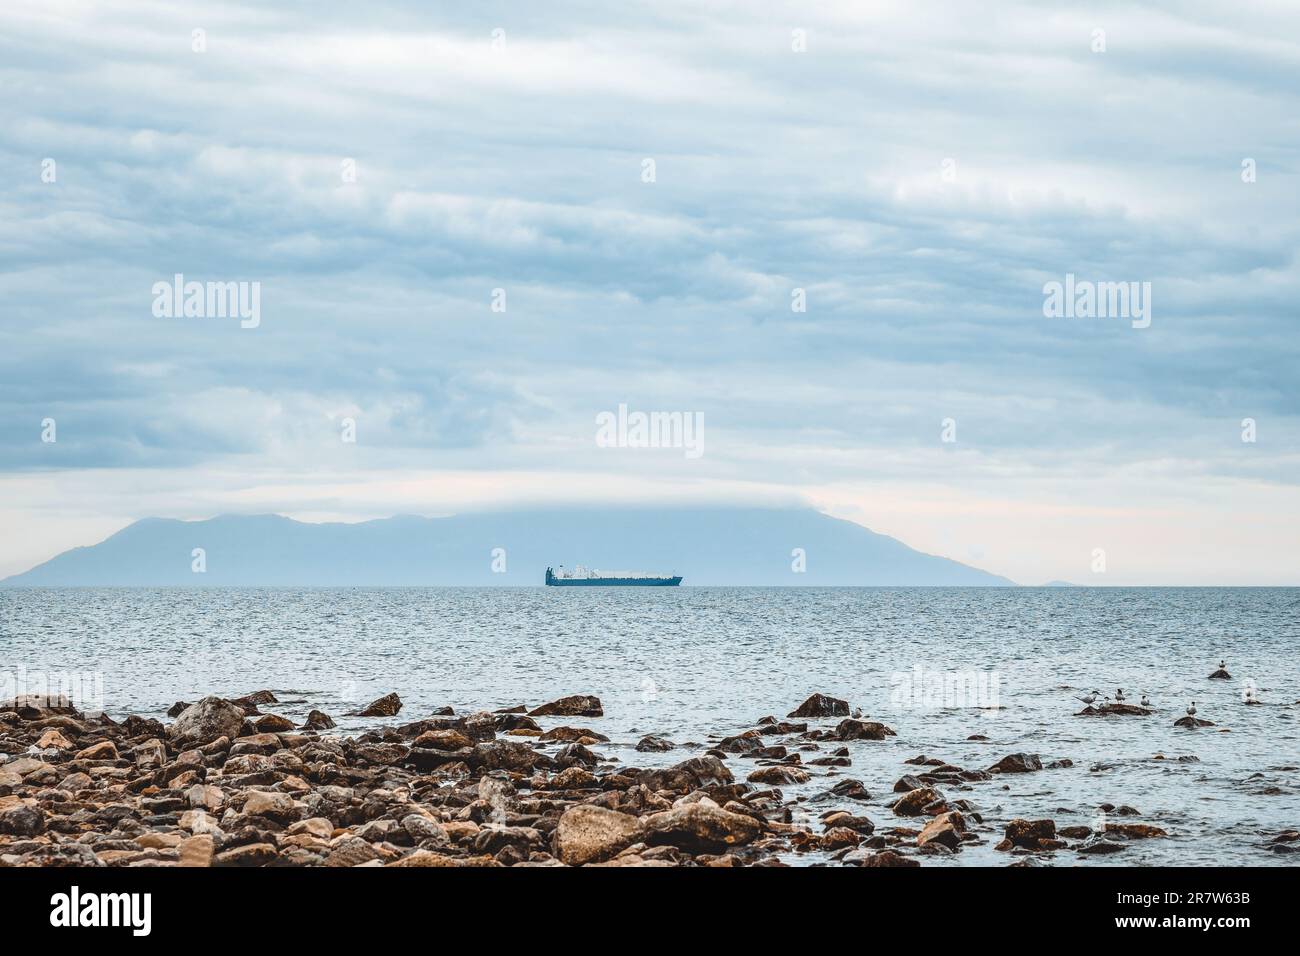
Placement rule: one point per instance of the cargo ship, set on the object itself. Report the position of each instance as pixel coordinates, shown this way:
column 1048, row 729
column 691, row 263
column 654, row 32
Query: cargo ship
column 581, row 577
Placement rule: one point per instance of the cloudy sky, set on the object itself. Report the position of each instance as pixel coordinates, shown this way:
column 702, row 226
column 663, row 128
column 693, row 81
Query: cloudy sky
column 919, row 169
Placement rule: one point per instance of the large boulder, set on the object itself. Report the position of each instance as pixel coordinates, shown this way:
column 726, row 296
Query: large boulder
column 700, row 828
column 688, row 775
column 819, row 705
column 205, row 721
column 861, row 730
column 579, row 705
column 946, row 829
column 386, row 706
column 590, row 834
column 914, row 802
column 1028, row 833
column 1017, row 763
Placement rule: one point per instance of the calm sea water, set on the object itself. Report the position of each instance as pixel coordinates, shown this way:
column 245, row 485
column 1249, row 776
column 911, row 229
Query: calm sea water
column 694, row 662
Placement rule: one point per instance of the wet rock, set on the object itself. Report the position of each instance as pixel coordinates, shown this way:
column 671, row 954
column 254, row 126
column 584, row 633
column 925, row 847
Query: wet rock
column 841, row 818
column 589, row 834
column 652, row 743
column 1074, row 833
column 851, row 790
column 207, row 720
column 907, row 783
column 946, row 829
column 1115, row 710
column 1135, row 831
column 1192, row 722
column 852, row 729
column 504, row 755
column 318, row 720
column 700, row 828
column 819, row 705
column 1017, row 763
column 273, row 724
column 917, row 802
column 688, row 775
column 1220, row 674
column 1100, row 846
column 578, row 735
column 386, row 706
column 1029, row 833
column 779, row 775
column 886, row 858
column 176, row 709
column 578, row 705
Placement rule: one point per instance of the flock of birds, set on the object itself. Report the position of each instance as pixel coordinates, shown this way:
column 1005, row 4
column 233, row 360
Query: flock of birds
column 1248, row 695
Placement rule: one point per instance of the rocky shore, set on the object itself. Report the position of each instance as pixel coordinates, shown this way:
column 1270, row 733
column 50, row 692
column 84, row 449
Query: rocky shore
column 232, row 783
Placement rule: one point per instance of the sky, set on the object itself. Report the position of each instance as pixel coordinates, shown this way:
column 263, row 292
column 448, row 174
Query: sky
column 651, row 192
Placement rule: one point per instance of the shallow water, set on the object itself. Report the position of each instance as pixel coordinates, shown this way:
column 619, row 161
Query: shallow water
column 694, row 662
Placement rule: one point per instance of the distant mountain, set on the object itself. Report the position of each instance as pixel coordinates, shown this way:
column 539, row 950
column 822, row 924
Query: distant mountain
column 709, row 546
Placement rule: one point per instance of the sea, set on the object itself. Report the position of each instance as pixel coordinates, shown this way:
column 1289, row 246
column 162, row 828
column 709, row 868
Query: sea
column 937, row 665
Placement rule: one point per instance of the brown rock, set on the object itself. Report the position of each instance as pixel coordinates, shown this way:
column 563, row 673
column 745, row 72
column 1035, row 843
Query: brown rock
column 652, row 743
column 946, row 829
column 1028, row 833
column 819, row 705
column 318, row 720
column 206, row 721
column 914, row 803
column 52, row 738
column 861, row 730
column 273, row 724
column 250, row 854
column 1017, row 763
column 195, row 850
column 386, row 706
column 579, row 705
column 1135, row 831
column 779, row 775
column 698, row 827
column 104, row 750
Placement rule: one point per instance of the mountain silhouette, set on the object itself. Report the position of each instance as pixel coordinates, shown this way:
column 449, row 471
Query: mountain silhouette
column 708, row 546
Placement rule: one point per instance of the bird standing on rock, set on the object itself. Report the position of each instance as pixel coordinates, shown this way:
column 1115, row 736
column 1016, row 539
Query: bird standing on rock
column 1191, row 711
column 1090, row 699
column 1145, row 702
column 1119, row 696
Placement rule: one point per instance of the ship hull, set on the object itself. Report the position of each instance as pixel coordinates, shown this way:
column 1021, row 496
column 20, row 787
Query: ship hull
column 614, row 582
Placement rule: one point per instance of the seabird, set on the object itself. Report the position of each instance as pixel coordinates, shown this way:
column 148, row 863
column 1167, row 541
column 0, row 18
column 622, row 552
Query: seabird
column 1090, row 699
column 1119, row 696
column 1145, row 702
column 1191, row 711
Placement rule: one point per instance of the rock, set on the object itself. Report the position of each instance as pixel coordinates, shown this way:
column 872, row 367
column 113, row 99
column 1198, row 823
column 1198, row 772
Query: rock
column 150, row 755
column 837, row 838
column 1100, row 846
column 201, row 796
column 579, row 735
column 386, row 706
column 579, row 705
column 53, row 739
column 888, row 858
column 448, row 740
column 778, row 775
column 574, row 778
column 318, row 720
column 914, row 803
column 423, row 829
column 1135, row 831
column 819, row 705
column 1115, row 710
column 207, row 720
column 850, row 789
column 20, row 818
column 104, row 750
column 504, row 755
column 1028, row 833
column 176, row 709
column 652, row 743
column 250, row 854
column 1220, row 674
column 1017, row 763
column 352, row 852
column 861, row 730
column 700, row 828
column 1192, row 722
column 273, row 724
column 688, row 775
column 946, row 829
column 907, row 783
column 195, row 850
column 590, row 834
column 268, row 803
